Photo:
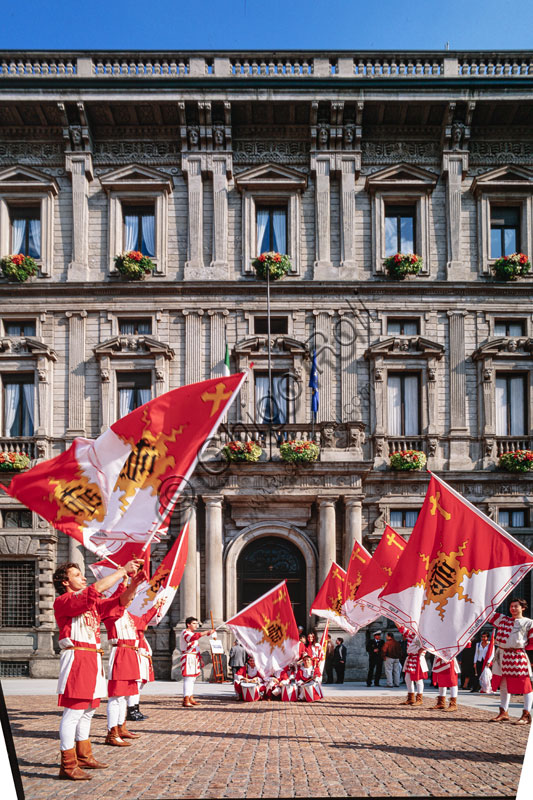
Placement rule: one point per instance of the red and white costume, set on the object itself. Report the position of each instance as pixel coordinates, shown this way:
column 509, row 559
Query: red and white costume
column 415, row 665
column 191, row 660
column 315, row 651
column 249, row 675
column 445, row 673
column 309, row 680
column 513, row 638
column 82, row 682
column 124, row 668
column 145, row 656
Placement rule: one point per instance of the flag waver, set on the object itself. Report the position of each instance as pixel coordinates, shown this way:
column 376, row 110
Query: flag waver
column 366, row 607
column 330, row 598
column 357, row 565
column 457, row 567
column 124, row 485
column 268, row 631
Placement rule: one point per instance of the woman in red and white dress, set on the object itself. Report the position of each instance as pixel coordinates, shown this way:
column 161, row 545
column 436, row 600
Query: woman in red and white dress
column 309, row 678
column 511, row 670
column 191, row 660
column 415, row 668
column 78, row 611
column 249, row 674
column 446, row 676
column 313, row 648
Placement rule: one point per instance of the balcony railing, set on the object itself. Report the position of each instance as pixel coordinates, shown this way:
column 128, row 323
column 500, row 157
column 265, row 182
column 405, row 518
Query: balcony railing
column 348, row 436
column 508, row 444
column 430, row 65
column 19, row 444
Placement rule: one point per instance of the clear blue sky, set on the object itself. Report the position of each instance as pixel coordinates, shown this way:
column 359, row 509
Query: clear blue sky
column 267, row 24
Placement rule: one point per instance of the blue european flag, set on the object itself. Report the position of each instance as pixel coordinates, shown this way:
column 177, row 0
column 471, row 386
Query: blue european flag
column 313, row 384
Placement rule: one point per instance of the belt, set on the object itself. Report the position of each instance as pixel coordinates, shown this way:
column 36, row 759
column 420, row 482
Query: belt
column 511, row 649
column 131, row 646
column 146, row 655
column 89, row 650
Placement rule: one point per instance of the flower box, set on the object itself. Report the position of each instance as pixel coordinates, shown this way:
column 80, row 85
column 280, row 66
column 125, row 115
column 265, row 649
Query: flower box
column 407, row 460
column 18, row 267
column 401, row 265
column 516, row 461
column 298, row 450
column 242, row 451
column 14, row 462
column 134, row 266
column 275, row 265
column 509, row 268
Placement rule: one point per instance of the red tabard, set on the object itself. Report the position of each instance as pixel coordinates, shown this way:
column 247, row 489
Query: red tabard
column 124, row 670
column 513, row 638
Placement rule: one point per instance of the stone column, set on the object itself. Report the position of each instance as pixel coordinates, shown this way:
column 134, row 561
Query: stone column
column 325, row 346
column 214, row 575
column 76, row 373
column 322, row 169
column 193, row 346
column 189, row 582
column 352, row 526
column 454, row 166
column 195, row 239
column 219, row 264
column 80, row 167
column 459, row 456
column 327, row 548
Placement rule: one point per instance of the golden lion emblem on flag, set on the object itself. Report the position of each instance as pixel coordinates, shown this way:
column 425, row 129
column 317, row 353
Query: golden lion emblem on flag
column 444, row 577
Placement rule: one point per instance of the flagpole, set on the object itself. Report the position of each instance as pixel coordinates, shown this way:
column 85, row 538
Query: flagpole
column 269, row 368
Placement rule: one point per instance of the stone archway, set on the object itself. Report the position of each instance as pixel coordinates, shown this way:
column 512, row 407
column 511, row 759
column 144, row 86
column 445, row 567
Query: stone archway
column 272, row 530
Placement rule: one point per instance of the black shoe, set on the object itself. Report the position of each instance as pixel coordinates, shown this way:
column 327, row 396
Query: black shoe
column 140, row 714
column 133, row 714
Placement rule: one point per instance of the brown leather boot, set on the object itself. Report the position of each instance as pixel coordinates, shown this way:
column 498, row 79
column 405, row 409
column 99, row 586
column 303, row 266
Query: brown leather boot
column 452, row 705
column 85, row 756
column 441, row 703
column 419, row 701
column 194, row 701
column 113, row 738
column 187, row 702
column 525, row 719
column 124, row 733
column 503, row 716
column 410, row 699
column 69, row 769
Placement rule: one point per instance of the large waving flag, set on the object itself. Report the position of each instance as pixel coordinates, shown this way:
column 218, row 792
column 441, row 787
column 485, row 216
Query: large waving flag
column 330, row 597
column 129, row 550
column 268, row 631
column 124, row 485
column 162, row 586
column 366, row 607
column 457, row 567
column 357, row 565
column 323, row 648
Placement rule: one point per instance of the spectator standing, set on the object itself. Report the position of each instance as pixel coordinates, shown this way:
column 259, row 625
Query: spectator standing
column 328, row 665
column 237, row 658
column 339, row 659
column 391, row 653
column 375, row 659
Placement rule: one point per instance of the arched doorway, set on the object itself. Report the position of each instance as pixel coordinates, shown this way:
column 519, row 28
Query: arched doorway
column 264, row 563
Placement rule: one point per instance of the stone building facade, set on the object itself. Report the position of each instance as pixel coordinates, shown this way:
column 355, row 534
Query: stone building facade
column 202, row 160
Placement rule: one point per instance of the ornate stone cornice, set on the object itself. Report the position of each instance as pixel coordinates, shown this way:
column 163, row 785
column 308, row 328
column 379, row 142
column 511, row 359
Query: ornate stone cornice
column 279, row 344
column 505, row 347
column 26, row 346
column 405, row 347
column 133, row 345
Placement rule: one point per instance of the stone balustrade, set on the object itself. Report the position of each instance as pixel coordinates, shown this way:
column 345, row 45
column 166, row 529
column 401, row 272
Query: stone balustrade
column 508, row 444
column 19, row 444
column 429, row 65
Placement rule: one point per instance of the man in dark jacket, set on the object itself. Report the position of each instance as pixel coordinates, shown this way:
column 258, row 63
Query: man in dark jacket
column 339, row 659
column 375, row 659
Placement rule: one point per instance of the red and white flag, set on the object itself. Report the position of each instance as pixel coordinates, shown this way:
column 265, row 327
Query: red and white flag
column 128, row 551
column 161, row 588
column 330, row 597
column 357, row 565
column 457, row 567
column 366, row 607
column 123, row 486
column 323, row 648
column 268, row 631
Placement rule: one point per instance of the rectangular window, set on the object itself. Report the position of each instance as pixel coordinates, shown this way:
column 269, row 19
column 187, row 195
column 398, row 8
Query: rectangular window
column 271, row 229
column 134, row 389
column 504, row 231
column 135, row 326
column 271, row 407
column 400, row 225
column 17, row 594
column 403, row 327
column 139, row 229
column 16, row 518
column 510, row 405
column 26, row 231
column 403, row 518
column 403, row 391
column 508, row 327
column 277, row 325
column 513, row 518
column 19, row 392
column 21, row 327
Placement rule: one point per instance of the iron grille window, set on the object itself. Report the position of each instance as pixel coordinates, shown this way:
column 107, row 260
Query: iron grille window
column 17, row 594
column 14, row 669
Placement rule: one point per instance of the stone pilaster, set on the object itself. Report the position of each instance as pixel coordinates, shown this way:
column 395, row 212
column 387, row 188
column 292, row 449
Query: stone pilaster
column 214, row 573
column 218, row 342
column 322, row 168
column 194, row 265
column 353, row 526
column 193, row 346
column 76, row 373
column 346, row 336
column 347, row 198
column 189, row 582
column 454, row 167
column 459, row 457
column 80, row 167
column 326, row 363
column 219, row 268
column 327, row 547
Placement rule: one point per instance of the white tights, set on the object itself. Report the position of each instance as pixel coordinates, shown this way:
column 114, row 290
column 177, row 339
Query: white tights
column 188, row 687
column 116, row 711
column 454, row 691
column 75, row 726
column 414, row 686
column 132, row 700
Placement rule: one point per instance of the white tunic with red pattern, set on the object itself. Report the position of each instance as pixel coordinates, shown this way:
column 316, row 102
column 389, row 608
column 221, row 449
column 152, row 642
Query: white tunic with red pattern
column 191, row 661
column 145, row 651
column 513, row 638
column 82, row 680
column 309, row 677
column 445, row 673
column 124, row 668
column 415, row 665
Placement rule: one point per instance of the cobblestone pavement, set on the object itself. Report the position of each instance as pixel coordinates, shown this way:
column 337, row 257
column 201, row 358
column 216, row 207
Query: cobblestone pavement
column 365, row 746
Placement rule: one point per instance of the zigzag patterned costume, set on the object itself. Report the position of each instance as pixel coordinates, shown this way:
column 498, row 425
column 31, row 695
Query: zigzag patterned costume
column 513, row 638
